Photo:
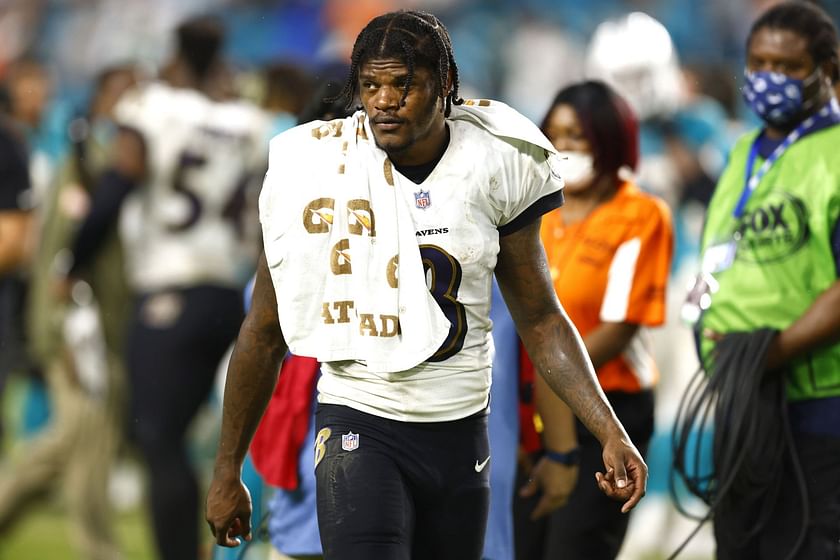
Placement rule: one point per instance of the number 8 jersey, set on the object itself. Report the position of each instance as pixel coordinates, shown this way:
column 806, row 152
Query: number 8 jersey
column 494, row 176
column 194, row 220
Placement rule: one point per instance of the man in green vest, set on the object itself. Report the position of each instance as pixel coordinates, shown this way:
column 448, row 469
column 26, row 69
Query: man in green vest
column 771, row 256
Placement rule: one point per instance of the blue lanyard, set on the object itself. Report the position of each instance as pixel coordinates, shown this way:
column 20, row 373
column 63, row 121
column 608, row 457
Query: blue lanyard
column 830, row 112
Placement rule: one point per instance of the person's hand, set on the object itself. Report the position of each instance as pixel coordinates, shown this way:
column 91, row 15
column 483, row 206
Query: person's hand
column 555, row 480
column 626, row 476
column 228, row 510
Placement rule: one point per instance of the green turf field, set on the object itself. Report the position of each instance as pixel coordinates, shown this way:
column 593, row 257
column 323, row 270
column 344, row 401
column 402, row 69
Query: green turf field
column 44, row 534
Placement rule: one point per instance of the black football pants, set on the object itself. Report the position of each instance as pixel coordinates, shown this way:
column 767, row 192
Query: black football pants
column 390, row 490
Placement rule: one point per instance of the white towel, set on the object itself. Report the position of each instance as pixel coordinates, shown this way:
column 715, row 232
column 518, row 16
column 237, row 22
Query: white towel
column 501, row 120
column 333, row 227
column 318, row 174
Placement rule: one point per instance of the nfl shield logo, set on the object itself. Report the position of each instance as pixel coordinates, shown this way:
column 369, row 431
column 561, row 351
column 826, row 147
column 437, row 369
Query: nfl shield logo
column 350, row 441
column 422, row 199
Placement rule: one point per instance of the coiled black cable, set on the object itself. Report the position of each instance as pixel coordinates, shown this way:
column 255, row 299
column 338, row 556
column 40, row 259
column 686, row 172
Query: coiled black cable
column 752, row 437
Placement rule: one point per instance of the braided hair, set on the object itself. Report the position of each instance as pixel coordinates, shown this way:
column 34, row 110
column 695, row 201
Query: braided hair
column 418, row 39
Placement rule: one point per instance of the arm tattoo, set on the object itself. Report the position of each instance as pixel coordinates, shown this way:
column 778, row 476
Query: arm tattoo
column 552, row 341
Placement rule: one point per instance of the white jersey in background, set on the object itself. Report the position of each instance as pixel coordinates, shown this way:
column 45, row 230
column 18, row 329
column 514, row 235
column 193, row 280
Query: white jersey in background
column 194, row 220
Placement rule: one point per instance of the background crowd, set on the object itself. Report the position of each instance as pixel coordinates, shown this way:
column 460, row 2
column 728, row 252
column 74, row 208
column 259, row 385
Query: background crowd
column 64, row 63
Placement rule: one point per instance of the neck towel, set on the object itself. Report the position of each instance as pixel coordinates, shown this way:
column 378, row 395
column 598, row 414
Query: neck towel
column 501, row 120
column 340, row 244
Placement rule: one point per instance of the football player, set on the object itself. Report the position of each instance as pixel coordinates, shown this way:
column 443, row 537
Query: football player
column 409, row 208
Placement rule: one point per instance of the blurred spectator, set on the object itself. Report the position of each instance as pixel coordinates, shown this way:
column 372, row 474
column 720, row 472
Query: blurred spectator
column 42, row 117
column 14, row 197
column 29, row 90
column 289, row 88
column 185, row 160
column 323, row 104
column 714, row 80
column 15, row 244
column 609, row 249
column 635, row 55
column 768, row 328
column 92, row 134
column 684, row 138
column 684, row 132
column 84, row 380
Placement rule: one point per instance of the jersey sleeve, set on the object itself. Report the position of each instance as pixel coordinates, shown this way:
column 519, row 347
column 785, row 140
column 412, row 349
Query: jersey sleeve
column 147, row 109
column 638, row 273
column 532, row 187
column 131, row 107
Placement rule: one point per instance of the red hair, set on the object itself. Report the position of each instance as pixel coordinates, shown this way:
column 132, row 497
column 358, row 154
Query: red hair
column 608, row 123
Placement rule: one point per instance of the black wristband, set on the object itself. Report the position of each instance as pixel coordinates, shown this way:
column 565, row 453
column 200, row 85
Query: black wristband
column 569, row 458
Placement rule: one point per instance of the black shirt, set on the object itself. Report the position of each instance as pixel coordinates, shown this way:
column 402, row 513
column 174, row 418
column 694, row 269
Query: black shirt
column 14, row 182
column 14, row 170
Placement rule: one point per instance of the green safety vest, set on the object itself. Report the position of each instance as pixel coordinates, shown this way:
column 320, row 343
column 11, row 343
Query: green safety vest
column 784, row 259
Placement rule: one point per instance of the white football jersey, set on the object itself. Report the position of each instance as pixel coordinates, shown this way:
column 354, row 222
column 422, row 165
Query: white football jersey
column 482, row 183
column 194, row 221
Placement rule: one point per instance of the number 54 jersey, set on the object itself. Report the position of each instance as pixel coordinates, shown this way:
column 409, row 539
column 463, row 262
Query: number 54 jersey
column 490, row 181
column 194, row 221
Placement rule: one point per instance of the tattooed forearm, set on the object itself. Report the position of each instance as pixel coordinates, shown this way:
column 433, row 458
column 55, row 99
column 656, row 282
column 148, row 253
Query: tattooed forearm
column 552, row 342
column 559, row 356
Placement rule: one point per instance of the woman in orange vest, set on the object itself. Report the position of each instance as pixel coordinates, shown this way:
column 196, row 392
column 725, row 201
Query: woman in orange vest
column 609, row 249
